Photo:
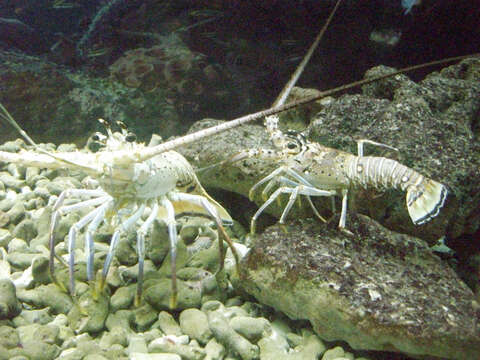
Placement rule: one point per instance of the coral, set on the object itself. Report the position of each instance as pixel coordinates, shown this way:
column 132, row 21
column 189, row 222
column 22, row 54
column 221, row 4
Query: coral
column 191, row 84
column 163, row 65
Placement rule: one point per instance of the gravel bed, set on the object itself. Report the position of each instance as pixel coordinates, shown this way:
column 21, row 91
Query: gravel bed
column 40, row 321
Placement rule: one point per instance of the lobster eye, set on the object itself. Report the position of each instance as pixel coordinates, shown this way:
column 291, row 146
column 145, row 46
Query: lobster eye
column 130, row 137
column 95, row 137
column 291, row 145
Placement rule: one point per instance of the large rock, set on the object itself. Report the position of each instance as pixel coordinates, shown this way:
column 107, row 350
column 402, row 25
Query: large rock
column 377, row 290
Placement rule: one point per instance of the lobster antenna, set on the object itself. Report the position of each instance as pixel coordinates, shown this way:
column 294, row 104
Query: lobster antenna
column 280, row 100
column 148, row 153
column 5, row 115
column 8, row 118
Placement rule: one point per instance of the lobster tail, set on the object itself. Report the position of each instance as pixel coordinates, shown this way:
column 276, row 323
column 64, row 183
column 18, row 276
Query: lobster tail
column 425, row 197
column 425, row 200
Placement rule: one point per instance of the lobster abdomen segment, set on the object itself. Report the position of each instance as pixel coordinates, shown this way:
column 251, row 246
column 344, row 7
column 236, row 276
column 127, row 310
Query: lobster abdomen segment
column 425, row 197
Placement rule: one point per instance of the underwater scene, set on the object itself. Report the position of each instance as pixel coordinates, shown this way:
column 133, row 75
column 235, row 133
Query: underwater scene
column 223, row 180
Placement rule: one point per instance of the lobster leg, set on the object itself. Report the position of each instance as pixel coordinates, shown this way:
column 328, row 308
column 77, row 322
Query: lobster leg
column 141, row 250
column 172, row 235
column 115, row 237
column 89, row 247
column 212, row 211
column 365, row 141
column 72, row 236
column 59, row 209
column 300, row 189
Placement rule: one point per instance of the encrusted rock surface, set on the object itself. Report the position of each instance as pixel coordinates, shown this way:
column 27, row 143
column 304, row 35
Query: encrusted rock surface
column 376, row 290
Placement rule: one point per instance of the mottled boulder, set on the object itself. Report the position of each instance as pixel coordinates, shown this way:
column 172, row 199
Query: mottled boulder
column 377, row 289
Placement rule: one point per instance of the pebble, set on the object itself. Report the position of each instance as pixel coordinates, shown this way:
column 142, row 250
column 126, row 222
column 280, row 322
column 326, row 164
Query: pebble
column 9, row 304
column 21, row 260
column 120, row 318
column 332, row 354
column 5, row 238
column 137, row 344
column 9, row 337
column 123, row 297
column 214, row 350
column 16, row 213
column 40, row 316
column 47, row 295
column 224, row 334
column 168, row 324
column 144, row 317
column 36, row 332
column 158, row 295
column 142, row 356
column 25, row 230
column 89, row 314
column 166, row 345
column 251, row 328
column 194, row 323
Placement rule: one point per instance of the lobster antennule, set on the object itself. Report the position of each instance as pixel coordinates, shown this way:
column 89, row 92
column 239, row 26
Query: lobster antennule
column 425, row 200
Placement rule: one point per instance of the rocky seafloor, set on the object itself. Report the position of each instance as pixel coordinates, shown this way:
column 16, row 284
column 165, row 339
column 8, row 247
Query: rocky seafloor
column 376, row 290
column 40, row 321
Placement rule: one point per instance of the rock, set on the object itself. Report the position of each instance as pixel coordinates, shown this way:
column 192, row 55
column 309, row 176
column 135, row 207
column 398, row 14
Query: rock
column 95, row 357
column 137, row 344
column 369, row 292
column 9, row 304
column 251, row 328
column 166, row 345
column 16, row 213
column 194, row 323
column 118, row 335
column 214, row 350
column 159, row 294
column 226, row 336
column 47, row 334
column 168, row 324
column 8, row 337
column 121, row 318
column 89, row 314
column 125, row 253
column 25, row 230
column 4, row 219
column 11, row 182
column 5, row 237
column 40, row 271
column 270, row 349
column 332, row 354
column 47, row 295
column 310, row 349
column 21, row 260
column 17, row 245
column 142, row 356
column 144, row 317
column 7, row 203
column 122, row 298
column 40, row 316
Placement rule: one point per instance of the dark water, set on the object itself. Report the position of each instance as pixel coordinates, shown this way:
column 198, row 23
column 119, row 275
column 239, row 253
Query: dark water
column 255, row 44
